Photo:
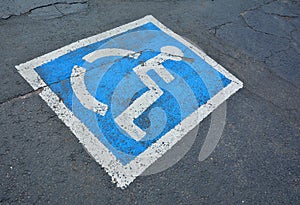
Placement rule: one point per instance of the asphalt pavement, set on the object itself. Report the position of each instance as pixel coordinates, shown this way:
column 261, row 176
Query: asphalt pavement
column 255, row 162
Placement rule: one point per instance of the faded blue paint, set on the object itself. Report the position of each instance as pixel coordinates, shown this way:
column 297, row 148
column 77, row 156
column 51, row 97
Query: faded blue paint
column 112, row 81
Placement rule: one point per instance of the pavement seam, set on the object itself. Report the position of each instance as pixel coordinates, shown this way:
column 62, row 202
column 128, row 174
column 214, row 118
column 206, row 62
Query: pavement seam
column 23, row 96
column 281, row 111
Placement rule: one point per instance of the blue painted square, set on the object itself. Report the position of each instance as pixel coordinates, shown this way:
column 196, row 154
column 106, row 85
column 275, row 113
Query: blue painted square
column 111, row 80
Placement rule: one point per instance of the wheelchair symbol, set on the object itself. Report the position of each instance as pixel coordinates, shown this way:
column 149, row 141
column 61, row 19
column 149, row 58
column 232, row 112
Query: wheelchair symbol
column 126, row 119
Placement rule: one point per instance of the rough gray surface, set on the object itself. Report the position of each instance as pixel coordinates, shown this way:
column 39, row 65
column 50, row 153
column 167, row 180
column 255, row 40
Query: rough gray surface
column 10, row 8
column 257, row 159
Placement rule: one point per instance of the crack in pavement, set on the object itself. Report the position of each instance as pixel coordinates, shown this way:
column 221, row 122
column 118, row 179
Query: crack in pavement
column 259, row 31
column 55, row 4
column 217, row 27
column 257, row 7
column 281, row 15
column 59, row 10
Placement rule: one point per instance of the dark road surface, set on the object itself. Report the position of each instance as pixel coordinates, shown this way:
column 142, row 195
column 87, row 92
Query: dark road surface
column 257, row 158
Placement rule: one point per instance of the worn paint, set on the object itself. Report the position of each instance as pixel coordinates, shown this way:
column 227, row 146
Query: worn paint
column 129, row 94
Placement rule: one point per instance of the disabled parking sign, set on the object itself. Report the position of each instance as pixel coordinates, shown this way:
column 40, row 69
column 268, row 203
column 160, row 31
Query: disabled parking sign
column 131, row 93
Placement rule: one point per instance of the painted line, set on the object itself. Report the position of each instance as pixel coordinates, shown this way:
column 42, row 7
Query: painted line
column 122, row 174
column 91, row 57
column 140, row 105
column 80, row 90
column 77, row 78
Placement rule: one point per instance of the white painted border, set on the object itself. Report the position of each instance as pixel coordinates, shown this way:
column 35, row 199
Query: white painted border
column 124, row 175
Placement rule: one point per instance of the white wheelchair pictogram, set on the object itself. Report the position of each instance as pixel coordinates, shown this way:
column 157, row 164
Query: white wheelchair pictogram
column 126, row 119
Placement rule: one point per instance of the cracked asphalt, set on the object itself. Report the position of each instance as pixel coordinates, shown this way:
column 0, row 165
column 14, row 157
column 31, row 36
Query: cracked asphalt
column 257, row 158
